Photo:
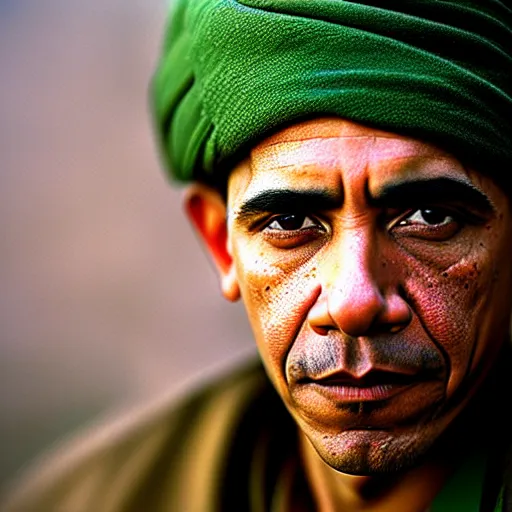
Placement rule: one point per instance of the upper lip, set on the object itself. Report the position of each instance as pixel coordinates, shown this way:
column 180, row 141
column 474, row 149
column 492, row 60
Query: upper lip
column 369, row 379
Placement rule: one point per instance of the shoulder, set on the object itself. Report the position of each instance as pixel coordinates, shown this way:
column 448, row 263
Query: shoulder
column 154, row 458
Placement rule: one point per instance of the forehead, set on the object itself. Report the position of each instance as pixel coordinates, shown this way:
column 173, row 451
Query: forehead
column 337, row 153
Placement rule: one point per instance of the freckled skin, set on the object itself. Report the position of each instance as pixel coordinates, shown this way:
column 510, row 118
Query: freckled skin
column 363, row 294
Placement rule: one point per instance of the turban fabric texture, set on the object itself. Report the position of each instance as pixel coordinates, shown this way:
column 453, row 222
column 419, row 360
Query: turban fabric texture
column 231, row 72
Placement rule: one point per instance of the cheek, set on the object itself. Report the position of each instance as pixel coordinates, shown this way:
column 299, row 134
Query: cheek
column 277, row 297
column 454, row 305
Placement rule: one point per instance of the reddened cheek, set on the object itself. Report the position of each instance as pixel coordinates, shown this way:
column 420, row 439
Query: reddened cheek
column 449, row 304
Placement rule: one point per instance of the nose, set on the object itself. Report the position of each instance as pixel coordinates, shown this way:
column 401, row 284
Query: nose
column 360, row 294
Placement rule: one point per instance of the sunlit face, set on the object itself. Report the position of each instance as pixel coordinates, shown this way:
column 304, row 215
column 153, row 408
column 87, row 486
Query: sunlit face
column 375, row 270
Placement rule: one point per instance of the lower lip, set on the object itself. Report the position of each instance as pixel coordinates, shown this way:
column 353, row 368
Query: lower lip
column 353, row 394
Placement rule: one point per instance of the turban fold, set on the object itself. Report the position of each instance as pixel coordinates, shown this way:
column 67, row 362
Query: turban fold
column 231, row 72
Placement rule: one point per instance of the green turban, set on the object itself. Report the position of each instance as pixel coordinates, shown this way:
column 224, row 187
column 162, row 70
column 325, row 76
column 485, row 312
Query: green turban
column 231, row 72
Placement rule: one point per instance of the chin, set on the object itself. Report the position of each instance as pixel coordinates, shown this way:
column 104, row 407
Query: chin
column 373, row 452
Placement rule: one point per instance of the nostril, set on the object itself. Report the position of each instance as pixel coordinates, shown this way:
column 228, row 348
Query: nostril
column 322, row 330
column 397, row 313
column 318, row 317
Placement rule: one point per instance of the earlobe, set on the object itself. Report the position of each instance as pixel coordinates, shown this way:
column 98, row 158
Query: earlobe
column 206, row 210
column 229, row 285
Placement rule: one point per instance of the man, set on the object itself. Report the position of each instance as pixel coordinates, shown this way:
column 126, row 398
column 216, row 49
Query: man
column 351, row 178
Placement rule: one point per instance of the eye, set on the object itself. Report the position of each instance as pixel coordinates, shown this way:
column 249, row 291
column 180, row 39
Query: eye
column 434, row 224
column 292, row 222
column 293, row 230
column 428, row 216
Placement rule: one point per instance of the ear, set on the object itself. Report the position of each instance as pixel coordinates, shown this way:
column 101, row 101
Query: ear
column 206, row 210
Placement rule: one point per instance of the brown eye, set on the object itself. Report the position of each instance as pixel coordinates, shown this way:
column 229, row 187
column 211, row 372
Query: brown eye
column 429, row 217
column 434, row 224
column 291, row 222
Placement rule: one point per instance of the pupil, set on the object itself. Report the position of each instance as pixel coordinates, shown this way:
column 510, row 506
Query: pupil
column 291, row 222
column 433, row 216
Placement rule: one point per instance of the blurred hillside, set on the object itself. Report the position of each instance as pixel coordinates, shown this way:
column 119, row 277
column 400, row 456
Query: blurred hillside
column 106, row 296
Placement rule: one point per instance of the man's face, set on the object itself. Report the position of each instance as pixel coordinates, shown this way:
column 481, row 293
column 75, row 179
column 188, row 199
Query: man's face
column 375, row 270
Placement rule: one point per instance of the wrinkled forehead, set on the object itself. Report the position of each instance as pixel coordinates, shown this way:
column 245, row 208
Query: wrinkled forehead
column 332, row 152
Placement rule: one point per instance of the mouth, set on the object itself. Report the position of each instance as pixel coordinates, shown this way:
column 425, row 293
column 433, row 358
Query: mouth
column 372, row 387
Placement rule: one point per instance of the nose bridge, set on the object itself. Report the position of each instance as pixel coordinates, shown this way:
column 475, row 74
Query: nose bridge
column 356, row 294
column 354, row 260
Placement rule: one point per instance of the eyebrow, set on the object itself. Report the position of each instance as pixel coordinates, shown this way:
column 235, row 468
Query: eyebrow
column 288, row 200
column 432, row 190
column 400, row 194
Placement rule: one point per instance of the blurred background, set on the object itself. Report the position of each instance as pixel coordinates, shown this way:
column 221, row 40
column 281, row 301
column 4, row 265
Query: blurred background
column 107, row 299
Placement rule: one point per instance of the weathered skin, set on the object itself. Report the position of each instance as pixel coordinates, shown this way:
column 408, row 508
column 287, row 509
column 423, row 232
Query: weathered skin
column 328, row 297
column 377, row 317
